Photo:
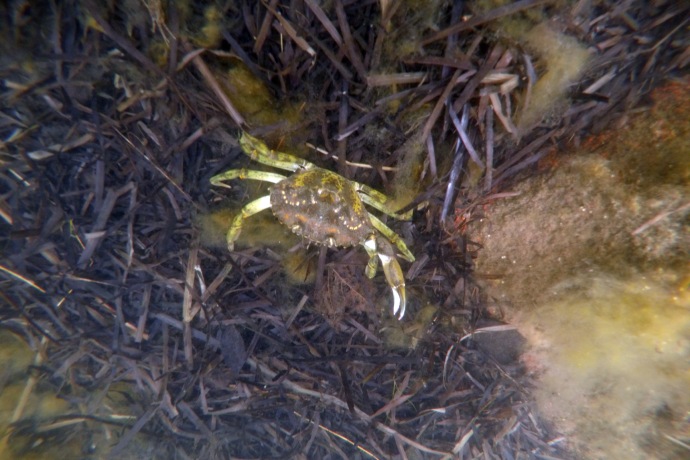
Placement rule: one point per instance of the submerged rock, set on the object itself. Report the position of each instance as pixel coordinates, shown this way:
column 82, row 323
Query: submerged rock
column 591, row 261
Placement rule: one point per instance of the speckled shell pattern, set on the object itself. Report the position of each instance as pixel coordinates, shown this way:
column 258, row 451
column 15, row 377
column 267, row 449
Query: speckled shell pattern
column 321, row 206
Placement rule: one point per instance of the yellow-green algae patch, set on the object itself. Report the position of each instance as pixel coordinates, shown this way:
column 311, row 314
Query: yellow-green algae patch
column 37, row 423
column 612, row 359
column 409, row 334
column 564, row 59
column 259, row 107
column 261, row 230
column 559, row 59
column 409, row 178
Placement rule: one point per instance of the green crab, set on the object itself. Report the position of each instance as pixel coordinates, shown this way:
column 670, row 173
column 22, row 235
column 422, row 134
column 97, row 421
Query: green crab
column 325, row 208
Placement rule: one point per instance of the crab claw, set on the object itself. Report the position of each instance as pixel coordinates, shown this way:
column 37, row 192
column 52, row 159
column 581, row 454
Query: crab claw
column 381, row 248
column 396, row 280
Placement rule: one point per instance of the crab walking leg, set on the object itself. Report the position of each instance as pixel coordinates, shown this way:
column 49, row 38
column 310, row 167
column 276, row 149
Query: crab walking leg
column 391, row 236
column 378, row 200
column 264, row 176
column 259, row 151
column 249, row 209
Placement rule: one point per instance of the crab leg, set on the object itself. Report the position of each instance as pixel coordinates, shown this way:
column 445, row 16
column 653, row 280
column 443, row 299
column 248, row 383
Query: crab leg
column 392, row 237
column 378, row 200
column 259, row 151
column 396, row 280
column 371, row 247
column 249, row 209
column 244, row 173
column 378, row 247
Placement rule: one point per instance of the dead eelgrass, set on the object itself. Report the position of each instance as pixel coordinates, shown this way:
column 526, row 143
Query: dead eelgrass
column 345, row 291
column 164, row 348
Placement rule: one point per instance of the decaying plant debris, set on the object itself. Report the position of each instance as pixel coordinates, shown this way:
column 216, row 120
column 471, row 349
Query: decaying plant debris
column 113, row 121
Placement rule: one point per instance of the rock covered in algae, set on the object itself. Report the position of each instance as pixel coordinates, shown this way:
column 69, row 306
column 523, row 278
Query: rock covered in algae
column 591, row 262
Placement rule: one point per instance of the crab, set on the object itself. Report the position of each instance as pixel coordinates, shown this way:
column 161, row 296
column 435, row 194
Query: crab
column 325, row 208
